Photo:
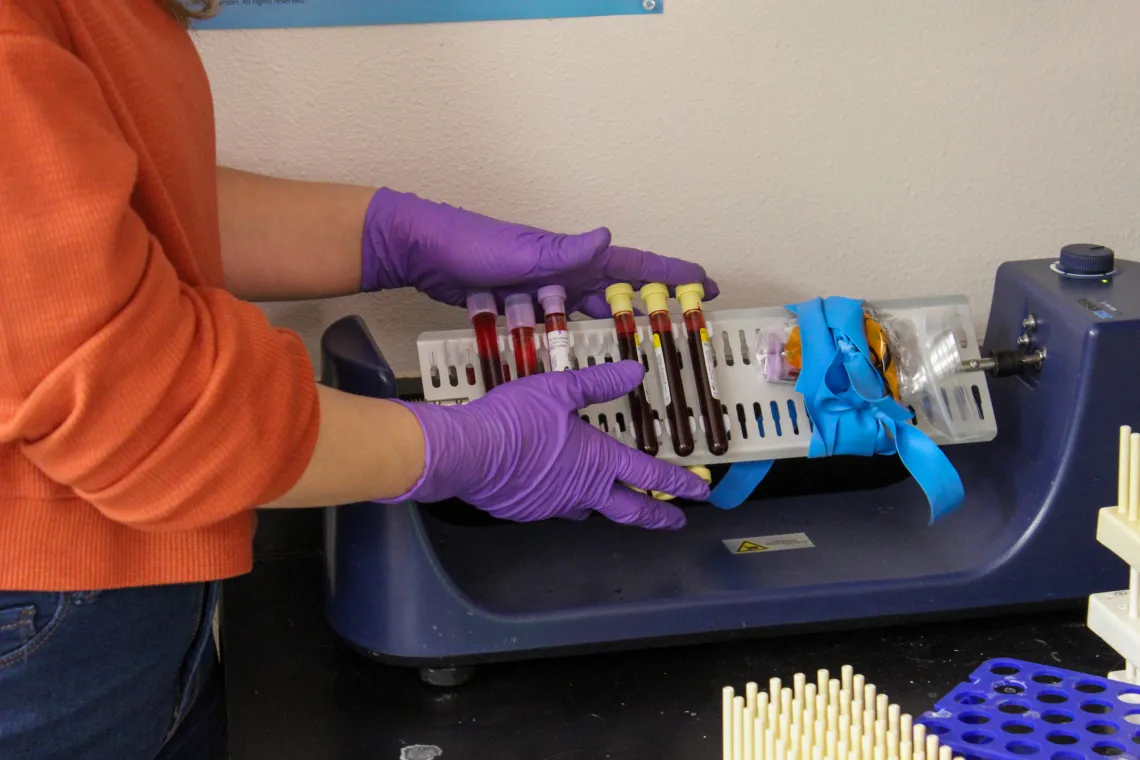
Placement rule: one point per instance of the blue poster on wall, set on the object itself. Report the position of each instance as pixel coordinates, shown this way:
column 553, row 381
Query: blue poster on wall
column 269, row 14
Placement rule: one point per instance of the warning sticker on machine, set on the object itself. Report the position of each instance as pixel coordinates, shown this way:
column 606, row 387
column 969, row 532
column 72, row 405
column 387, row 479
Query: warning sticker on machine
column 761, row 544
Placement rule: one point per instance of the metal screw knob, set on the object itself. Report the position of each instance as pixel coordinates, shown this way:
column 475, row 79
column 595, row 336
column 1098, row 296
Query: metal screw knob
column 1023, row 341
column 648, row 4
column 1030, row 323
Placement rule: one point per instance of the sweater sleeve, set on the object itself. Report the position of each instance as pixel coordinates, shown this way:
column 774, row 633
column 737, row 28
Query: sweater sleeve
column 166, row 406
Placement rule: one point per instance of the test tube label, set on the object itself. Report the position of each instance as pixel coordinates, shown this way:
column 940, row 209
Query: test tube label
column 709, row 363
column 559, row 345
column 661, row 370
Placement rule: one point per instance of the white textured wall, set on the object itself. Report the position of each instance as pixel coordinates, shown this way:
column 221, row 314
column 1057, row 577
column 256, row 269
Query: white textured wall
column 794, row 148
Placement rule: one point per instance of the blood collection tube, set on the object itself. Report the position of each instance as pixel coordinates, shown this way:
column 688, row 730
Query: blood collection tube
column 700, row 357
column 484, row 314
column 553, row 300
column 656, row 298
column 520, row 326
column 620, row 298
column 702, row 472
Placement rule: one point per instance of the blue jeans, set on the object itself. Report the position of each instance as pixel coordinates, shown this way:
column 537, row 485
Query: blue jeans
column 111, row 675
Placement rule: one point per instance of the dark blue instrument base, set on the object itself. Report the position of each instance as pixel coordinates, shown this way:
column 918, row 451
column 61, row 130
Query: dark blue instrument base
column 426, row 586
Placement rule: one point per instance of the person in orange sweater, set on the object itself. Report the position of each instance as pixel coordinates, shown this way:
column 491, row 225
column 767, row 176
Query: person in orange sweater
column 147, row 408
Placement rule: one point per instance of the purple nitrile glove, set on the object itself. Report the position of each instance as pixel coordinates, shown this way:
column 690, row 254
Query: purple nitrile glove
column 522, row 453
column 446, row 252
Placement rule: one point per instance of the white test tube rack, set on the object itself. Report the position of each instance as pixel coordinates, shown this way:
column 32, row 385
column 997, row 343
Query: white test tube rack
column 841, row 718
column 1114, row 615
column 764, row 420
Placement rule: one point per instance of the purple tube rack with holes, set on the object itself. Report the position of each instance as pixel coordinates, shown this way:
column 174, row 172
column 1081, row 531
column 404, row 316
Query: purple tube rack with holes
column 1012, row 709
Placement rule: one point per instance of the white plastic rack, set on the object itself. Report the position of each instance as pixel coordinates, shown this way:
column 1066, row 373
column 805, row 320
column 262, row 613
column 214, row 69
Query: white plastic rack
column 845, row 718
column 765, row 420
column 1114, row 616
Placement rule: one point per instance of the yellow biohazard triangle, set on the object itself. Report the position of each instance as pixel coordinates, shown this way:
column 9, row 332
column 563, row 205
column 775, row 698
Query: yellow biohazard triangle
column 747, row 546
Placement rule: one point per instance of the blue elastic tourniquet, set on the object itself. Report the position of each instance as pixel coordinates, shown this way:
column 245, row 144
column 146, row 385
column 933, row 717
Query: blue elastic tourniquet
column 738, row 483
column 850, row 409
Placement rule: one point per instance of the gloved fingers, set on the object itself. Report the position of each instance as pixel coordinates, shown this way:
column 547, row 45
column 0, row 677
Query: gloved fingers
column 638, row 267
column 563, row 254
column 577, row 515
column 629, row 507
column 594, row 306
column 712, row 290
column 580, row 388
column 652, row 474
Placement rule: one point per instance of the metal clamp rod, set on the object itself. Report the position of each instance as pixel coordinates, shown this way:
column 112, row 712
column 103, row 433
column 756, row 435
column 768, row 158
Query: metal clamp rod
column 1006, row 363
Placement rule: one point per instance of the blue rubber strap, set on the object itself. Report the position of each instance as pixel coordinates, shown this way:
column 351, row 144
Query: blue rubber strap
column 738, row 483
column 930, row 468
column 849, row 406
column 850, row 410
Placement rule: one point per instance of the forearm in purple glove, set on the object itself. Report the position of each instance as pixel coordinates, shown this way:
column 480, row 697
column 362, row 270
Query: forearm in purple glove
column 522, row 453
column 446, row 252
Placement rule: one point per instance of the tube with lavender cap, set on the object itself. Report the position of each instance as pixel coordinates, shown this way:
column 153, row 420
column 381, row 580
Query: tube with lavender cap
column 553, row 300
column 484, row 314
column 520, row 326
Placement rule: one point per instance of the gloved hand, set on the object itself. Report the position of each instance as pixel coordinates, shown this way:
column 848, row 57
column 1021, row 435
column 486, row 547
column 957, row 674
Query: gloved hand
column 445, row 252
column 522, row 453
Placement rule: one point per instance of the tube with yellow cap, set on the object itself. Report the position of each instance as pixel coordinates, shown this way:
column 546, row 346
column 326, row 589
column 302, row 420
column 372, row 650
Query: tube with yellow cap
column 620, row 298
column 656, row 298
column 700, row 357
column 704, row 473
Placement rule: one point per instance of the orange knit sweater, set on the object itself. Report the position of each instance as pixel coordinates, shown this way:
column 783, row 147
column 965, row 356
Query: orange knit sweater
column 144, row 411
